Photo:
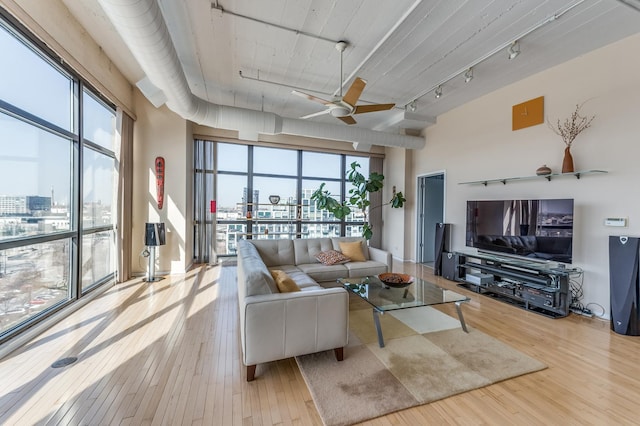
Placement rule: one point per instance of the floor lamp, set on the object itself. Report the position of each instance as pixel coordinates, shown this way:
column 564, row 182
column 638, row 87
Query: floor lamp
column 154, row 236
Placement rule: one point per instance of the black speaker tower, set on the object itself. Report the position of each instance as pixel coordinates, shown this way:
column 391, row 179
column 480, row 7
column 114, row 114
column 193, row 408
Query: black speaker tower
column 443, row 232
column 624, row 286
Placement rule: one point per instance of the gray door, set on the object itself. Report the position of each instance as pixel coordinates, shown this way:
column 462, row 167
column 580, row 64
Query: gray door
column 430, row 212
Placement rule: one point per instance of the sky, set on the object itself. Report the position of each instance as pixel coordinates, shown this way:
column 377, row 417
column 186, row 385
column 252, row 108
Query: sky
column 34, row 161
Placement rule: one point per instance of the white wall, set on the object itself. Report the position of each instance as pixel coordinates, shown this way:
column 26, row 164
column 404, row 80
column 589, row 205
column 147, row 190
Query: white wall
column 394, row 170
column 475, row 142
column 159, row 132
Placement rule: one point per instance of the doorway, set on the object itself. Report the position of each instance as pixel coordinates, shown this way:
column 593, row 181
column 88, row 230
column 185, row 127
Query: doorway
column 430, row 212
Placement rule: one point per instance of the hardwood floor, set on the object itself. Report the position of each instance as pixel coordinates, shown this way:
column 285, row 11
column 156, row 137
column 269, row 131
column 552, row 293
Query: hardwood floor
column 168, row 353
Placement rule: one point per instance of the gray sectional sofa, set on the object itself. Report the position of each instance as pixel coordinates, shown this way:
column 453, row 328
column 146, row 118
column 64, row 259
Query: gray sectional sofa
column 276, row 325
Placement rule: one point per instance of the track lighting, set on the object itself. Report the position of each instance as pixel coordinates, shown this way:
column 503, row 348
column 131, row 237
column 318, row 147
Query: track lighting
column 514, row 49
column 468, row 76
column 412, row 106
column 438, row 92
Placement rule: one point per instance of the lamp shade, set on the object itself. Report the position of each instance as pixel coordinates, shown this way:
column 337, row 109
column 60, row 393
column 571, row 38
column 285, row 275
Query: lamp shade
column 154, row 234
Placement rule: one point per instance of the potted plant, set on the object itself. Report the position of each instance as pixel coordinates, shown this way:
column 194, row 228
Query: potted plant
column 357, row 197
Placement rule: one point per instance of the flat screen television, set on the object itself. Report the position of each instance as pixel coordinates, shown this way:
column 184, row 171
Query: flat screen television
column 540, row 230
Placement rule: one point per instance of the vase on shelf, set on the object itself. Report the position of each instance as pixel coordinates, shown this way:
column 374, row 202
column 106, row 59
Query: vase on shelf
column 567, row 161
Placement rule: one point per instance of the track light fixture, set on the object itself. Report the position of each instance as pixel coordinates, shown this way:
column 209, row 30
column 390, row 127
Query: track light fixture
column 468, row 76
column 514, row 50
column 412, row 106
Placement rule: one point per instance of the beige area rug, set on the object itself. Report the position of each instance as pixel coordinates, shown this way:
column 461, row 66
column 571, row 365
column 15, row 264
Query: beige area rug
column 426, row 357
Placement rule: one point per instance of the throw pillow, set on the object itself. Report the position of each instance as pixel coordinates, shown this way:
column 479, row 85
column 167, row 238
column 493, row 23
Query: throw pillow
column 331, row 257
column 284, row 282
column 352, row 250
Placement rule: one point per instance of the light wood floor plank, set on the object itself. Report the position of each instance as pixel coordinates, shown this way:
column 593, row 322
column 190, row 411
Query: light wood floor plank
column 169, row 353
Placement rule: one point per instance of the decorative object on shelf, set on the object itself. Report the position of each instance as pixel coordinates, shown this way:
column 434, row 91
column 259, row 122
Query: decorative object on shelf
column 567, row 161
column 159, row 162
column 358, row 197
column 527, row 114
column 274, row 199
column 543, row 170
column 568, row 131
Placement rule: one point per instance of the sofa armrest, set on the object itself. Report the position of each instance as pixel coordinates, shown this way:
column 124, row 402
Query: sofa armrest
column 283, row 325
column 382, row 256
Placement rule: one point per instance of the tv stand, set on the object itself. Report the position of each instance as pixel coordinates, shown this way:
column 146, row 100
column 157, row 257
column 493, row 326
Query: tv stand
column 538, row 287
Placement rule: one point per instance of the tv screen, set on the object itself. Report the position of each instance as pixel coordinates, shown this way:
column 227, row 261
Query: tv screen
column 539, row 230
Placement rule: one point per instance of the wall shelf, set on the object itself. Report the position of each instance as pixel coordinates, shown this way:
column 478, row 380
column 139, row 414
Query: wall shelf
column 549, row 177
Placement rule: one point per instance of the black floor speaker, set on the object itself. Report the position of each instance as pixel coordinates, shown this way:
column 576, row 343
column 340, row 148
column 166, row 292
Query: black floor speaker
column 443, row 234
column 624, row 286
column 450, row 266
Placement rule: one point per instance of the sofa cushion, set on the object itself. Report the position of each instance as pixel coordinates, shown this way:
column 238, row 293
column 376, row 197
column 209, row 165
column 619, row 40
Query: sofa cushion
column 275, row 252
column 257, row 278
column 366, row 268
column 332, row 257
column 303, row 280
column 320, row 272
column 306, row 250
column 365, row 248
column 283, row 281
column 353, row 250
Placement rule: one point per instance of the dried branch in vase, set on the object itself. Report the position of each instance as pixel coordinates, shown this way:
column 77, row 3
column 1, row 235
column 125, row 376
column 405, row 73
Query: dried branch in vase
column 572, row 126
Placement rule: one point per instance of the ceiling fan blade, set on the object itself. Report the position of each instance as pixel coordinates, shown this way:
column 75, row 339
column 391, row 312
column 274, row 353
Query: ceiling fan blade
column 311, row 97
column 354, row 92
column 316, row 114
column 373, row 108
column 347, row 119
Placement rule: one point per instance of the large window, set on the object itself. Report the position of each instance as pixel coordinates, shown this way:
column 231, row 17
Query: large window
column 57, row 164
column 265, row 193
column 98, row 191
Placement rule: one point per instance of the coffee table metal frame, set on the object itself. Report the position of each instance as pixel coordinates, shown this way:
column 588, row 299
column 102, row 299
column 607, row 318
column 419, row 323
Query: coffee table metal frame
column 428, row 294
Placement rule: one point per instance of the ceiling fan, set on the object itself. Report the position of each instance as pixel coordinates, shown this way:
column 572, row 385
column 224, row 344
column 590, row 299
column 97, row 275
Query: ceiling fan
column 343, row 107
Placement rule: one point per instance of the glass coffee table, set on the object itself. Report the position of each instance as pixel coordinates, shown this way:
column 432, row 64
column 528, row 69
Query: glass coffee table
column 384, row 298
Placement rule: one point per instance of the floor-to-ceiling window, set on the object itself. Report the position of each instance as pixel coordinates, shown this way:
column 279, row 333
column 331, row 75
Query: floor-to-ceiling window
column 56, row 184
column 98, row 191
column 261, row 192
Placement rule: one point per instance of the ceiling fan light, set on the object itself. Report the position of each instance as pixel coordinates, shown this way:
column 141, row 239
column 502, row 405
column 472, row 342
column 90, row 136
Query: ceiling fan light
column 514, row 50
column 340, row 111
column 438, row 92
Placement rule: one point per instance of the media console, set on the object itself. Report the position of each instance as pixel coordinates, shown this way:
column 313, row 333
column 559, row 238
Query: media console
column 538, row 287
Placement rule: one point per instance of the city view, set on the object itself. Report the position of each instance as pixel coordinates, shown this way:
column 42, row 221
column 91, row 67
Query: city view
column 36, row 277
column 284, row 219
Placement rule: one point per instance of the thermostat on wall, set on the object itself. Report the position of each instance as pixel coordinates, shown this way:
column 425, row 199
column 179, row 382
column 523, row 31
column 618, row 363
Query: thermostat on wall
column 615, row 221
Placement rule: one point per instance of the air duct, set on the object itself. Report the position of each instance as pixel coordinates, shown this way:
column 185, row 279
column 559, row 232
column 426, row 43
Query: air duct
column 142, row 27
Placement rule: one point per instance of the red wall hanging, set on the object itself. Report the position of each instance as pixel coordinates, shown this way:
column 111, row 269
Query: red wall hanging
column 160, row 181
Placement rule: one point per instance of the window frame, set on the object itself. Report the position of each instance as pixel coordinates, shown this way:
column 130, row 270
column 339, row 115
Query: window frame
column 76, row 232
column 249, row 230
